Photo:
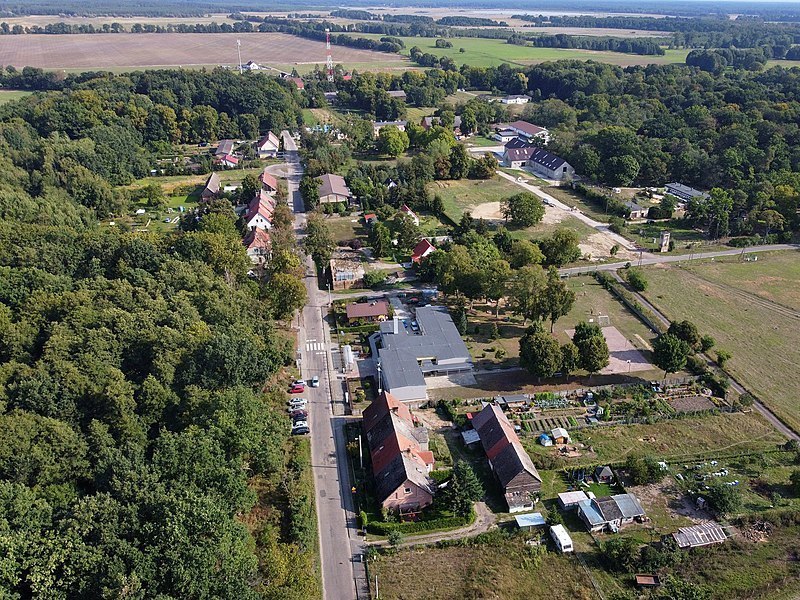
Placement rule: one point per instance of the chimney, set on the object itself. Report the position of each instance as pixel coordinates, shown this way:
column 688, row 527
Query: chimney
column 396, row 324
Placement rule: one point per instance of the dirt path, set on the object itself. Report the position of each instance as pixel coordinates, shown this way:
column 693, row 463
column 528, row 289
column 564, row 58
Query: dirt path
column 484, row 521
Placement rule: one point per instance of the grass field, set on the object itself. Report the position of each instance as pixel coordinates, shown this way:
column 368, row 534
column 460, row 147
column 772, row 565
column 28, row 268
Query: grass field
column 11, row 95
column 465, row 194
column 481, row 52
column 751, row 309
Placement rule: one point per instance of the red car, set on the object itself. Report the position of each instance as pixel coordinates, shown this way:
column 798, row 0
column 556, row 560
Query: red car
column 297, row 389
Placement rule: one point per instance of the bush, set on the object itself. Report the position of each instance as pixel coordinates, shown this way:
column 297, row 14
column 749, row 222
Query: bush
column 723, row 356
column 617, row 225
column 374, row 278
column 706, row 343
column 696, row 365
column 411, row 527
column 395, row 537
column 636, row 279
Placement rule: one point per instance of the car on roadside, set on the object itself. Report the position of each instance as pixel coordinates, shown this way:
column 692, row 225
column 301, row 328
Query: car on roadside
column 300, row 413
column 315, row 381
column 297, row 389
column 299, row 382
column 297, row 404
column 301, row 428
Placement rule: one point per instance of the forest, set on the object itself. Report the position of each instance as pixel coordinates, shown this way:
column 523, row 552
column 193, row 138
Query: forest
column 144, row 445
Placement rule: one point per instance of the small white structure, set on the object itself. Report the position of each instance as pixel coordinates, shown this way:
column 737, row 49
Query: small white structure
column 515, row 99
column 470, row 436
column 406, row 210
column 530, row 520
column 570, row 500
column 561, row 538
column 560, row 435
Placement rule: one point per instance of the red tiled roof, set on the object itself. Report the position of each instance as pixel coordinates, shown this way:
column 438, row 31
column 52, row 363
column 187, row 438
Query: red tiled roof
column 298, row 82
column 257, row 238
column 356, row 310
column 420, row 250
column 268, row 179
column 526, row 127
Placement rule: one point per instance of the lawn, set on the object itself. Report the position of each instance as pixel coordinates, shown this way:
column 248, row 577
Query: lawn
column 345, row 228
column 11, row 95
column 481, row 52
column 465, row 194
column 762, row 335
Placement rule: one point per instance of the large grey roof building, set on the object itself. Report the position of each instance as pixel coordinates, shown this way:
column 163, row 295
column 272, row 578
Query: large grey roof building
column 405, row 357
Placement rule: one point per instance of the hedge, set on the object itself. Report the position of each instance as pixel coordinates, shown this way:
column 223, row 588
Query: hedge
column 420, row 526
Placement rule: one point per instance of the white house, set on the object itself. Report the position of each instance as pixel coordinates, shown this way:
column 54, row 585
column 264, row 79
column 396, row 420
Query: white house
column 378, row 125
column 529, row 130
column 259, row 212
column 268, row 146
column 515, row 99
column 406, row 210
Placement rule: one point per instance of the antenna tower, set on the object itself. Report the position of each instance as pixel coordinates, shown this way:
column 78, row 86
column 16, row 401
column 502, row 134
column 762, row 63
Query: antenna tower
column 329, row 62
column 239, row 50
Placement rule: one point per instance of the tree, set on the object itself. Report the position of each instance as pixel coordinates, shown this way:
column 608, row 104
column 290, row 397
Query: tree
column 592, row 347
column 395, row 537
column 392, row 141
column 539, row 352
column 670, row 353
column 636, row 279
column 495, row 282
column 706, row 343
column 723, row 499
column 380, row 238
column 621, row 554
column 406, row 231
column 524, row 253
column 686, row 331
column 561, row 248
column 794, row 480
column 523, row 209
column 463, row 488
column 621, row 170
column 643, row 469
column 309, row 190
column 557, row 298
column 723, row 356
column 525, row 290
column 249, row 188
column 319, row 242
column 570, row 358
column 374, row 278
column 459, row 161
column 287, row 294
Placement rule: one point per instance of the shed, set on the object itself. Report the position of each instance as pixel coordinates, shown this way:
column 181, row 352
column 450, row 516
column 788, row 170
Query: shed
column 647, row 580
column 560, row 435
column 569, row 500
column 561, row 538
column 511, row 401
column 604, row 474
column 529, row 521
column 545, row 440
column 470, row 436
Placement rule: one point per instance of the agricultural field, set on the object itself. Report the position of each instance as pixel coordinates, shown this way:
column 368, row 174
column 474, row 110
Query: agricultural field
column 481, row 52
column 733, row 302
column 121, row 51
column 12, row 95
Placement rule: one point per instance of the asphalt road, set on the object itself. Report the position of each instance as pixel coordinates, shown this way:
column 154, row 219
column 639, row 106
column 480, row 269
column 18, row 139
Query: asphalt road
column 335, row 516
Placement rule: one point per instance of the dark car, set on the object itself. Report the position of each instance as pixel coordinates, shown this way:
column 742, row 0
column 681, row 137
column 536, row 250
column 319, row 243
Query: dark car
column 299, row 413
column 301, row 431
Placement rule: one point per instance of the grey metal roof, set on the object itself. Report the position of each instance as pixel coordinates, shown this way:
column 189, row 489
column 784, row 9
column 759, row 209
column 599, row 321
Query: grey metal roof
column 633, row 206
column 511, row 398
column 400, row 468
column 700, row 535
column 628, row 505
column 685, row 190
column 403, row 355
column 538, row 155
column 609, row 508
column 591, row 512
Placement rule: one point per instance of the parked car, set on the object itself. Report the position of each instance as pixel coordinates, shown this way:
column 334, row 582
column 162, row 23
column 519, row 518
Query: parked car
column 298, row 424
column 299, row 414
column 315, row 381
column 298, row 404
column 301, row 430
column 297, row 389
column 299, row 382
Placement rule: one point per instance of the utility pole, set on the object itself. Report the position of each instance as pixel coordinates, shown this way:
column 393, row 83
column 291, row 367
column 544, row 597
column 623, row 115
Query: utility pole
column 239, row 51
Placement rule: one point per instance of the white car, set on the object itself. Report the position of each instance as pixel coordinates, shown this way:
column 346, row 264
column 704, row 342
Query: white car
column 315, row 381
column 299, row 424
column 299, row 382
column 298, row 403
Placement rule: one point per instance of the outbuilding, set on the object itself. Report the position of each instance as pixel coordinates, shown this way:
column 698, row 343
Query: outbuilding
column 560, row 435
column 604, row 474
column 529, row 521
column 571, row 500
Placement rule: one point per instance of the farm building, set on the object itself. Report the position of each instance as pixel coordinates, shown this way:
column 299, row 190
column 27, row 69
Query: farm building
column 406, row 358
column 224, row 148
column 684, row 192
column 376, row 310
column 704, row 534
column 332, row 188
column 529, row 521
column 610, row 512
column 635, row 211
column 570, row 500
column 529, row 130
column 510, row 463
column 268, row 146
column 421, row 250
column 401, row 460
column 515, row 99
column 539, row 161
column 378, row 125
column 346, row 270
column 604, row 474
column 211, row 189
column 504, row 135
column 561, row 538
column 560, row 435
column 400, row 94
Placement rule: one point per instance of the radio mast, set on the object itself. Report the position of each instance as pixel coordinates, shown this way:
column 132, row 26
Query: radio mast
column 329, row 62
column 239, row 50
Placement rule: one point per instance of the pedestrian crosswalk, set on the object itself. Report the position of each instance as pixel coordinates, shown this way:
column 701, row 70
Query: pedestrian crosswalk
column 312, row 345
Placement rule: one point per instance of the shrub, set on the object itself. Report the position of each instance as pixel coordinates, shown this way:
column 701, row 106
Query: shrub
column 706, row 343
column 723, row 356
column 395, row 537
column 617, row 225
column 636, row 279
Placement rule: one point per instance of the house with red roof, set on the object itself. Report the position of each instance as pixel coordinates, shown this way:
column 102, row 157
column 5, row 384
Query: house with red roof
column 269, row 183
column 259, row 211
column 406, row 210
column 258, row 246
column 401, row 461
column 421, row 250
column 227, row 160
column 298, row 82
